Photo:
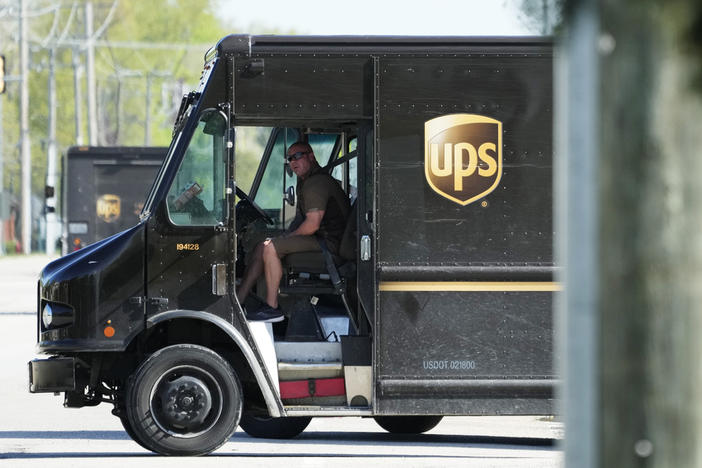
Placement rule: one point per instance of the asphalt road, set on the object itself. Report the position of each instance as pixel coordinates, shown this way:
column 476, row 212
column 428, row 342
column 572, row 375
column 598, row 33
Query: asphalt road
column 36, row 431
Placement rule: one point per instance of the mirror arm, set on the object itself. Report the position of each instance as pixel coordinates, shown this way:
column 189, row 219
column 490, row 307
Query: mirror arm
column 289, row 196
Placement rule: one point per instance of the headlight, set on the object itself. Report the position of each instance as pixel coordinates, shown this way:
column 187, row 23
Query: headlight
column 47, row 315
column 55, row 315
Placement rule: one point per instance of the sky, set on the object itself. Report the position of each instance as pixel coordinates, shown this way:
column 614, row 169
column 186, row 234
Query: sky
column 370, row 17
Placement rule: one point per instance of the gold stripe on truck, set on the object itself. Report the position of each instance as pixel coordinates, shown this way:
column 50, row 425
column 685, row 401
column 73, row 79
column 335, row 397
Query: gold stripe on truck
column 473, row 286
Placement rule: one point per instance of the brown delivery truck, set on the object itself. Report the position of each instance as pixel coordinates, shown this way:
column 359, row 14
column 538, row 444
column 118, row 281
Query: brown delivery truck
column 439, row 305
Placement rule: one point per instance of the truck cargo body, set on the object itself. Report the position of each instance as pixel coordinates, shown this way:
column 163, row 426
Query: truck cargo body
column 104, row 189
column 443, row 307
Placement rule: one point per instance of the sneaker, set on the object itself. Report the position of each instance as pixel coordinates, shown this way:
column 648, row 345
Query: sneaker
column 265, row 313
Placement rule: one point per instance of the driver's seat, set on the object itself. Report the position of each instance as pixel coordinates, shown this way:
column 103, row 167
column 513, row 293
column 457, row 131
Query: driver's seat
column 324, row 272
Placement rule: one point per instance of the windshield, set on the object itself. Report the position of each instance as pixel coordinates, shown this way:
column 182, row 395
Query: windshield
column 197, row 195
column 261, row 169
column 146, row 210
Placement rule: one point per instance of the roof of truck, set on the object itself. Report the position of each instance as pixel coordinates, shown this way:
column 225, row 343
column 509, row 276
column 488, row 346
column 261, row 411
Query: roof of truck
column 247, row 44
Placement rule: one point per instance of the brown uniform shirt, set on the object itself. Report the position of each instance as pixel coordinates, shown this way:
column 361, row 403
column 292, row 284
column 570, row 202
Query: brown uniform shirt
column 320, row 191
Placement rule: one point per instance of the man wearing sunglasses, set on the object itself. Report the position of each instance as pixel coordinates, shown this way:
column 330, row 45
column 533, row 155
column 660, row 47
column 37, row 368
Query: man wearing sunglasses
column 323, row 208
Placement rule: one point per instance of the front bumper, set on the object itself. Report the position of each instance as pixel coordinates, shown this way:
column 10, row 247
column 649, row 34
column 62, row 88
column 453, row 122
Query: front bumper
column 52, row 375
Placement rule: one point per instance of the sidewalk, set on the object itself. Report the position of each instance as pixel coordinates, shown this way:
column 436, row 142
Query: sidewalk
column 18, row 282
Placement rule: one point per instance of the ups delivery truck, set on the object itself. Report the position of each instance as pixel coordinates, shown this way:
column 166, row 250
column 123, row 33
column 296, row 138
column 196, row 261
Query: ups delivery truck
column 104, row 189
column 438, row 304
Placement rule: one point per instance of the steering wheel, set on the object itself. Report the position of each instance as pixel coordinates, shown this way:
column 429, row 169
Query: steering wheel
column 244, row 196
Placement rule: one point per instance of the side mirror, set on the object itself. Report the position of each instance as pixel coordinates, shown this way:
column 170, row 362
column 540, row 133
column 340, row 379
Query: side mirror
column 289, row 196
column 288, row 170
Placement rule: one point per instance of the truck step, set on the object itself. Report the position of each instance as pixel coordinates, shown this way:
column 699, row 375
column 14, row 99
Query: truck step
column 308, row 351
column 309, row 370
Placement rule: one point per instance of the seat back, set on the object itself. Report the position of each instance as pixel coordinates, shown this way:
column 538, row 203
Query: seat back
column 347, row 246
column 313, row 262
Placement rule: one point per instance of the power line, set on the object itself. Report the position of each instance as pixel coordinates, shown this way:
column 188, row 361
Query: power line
column 80, row 43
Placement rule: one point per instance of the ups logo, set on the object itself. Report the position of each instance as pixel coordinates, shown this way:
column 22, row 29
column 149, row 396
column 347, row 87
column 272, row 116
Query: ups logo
column 108, row 208
column 463, row 156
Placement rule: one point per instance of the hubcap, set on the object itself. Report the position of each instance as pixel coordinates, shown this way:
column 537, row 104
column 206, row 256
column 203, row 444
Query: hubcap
column 186, row 401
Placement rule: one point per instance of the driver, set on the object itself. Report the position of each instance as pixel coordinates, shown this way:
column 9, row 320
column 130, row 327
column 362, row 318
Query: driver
column 323, row 208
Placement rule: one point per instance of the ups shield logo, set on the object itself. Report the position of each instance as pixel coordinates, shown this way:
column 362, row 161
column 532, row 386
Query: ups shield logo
column 463, row 156
column 108, row 208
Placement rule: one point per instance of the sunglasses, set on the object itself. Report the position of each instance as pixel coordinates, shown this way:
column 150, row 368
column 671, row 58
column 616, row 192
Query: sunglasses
column 296, row 156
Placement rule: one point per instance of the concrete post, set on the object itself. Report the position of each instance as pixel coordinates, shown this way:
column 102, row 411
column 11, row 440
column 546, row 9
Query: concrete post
column 639, row 261
column 577, row 203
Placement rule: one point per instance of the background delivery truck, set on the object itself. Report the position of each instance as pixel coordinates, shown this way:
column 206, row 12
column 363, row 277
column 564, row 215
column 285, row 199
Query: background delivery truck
column 104, row 189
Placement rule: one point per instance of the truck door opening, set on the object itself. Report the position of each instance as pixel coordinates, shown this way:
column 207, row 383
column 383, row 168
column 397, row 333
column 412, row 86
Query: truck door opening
column 321, row 307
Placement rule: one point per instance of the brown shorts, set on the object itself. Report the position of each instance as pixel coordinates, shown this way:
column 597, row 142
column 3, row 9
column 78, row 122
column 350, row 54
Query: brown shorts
column 288, row 245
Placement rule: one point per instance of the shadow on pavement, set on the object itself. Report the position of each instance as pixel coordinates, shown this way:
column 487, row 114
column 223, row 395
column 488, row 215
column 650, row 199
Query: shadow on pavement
column 65, row 435
column 59, row 455
column 428, row 439
column 300, row 443
column 311, row 437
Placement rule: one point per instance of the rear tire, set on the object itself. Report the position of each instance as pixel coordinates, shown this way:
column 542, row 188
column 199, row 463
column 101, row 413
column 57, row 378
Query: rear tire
column 183, row 400
column 273, row 428
column 408, row 424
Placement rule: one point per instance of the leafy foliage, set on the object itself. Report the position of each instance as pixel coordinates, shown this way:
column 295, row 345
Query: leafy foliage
column 542, row 16
column 156, row 44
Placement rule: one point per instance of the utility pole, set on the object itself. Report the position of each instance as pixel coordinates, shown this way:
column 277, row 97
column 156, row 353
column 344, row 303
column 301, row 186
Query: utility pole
column 150, row 75
column 77, row 95
column 3, row 202
column 147, row 116
column 90, row 75
column 25, row 148
column 50, row 191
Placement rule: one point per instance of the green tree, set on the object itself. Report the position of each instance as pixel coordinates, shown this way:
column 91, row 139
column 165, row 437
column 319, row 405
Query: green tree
column 187, row 28
column 541, row 16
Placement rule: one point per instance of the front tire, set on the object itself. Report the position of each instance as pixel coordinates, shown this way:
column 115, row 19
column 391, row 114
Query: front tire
column 130, row 432
column 184, row 400
column 273, row 428
column 408, row 424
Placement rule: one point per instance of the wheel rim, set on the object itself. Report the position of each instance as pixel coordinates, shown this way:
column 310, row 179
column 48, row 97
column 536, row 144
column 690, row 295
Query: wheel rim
column 186, row 401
